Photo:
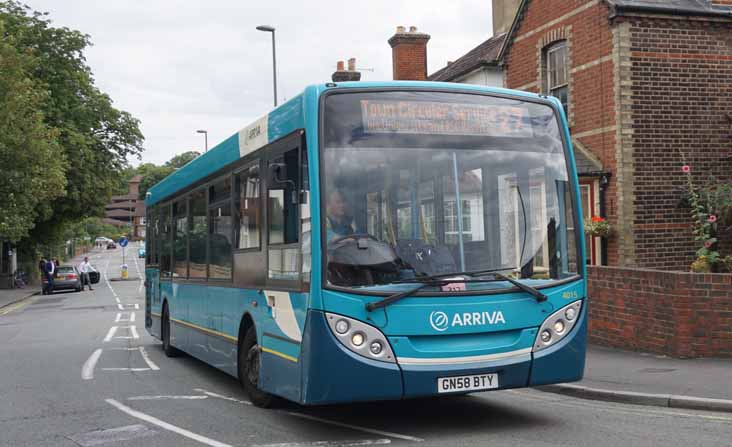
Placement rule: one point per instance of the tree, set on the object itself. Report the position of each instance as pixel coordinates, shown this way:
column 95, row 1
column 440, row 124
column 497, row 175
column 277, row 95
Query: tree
column 32, row 165
column 183, row 159
column 92, row 136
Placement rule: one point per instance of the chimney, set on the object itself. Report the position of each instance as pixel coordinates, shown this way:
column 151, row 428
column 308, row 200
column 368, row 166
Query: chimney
column 409, row 54
column 504, row 12
column 343, row 75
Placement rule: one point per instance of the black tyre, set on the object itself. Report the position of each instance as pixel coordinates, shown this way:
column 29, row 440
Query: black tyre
column 169, row 350
column 250, row 360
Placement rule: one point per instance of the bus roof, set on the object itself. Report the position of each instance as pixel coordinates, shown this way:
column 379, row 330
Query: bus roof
column 279, row 122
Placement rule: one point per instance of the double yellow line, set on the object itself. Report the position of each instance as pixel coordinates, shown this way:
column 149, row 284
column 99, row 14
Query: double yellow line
column 16, row 306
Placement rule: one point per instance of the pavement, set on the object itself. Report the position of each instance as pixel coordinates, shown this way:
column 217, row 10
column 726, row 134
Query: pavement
column 79, row 369
column 648, row 379
column 9, row 297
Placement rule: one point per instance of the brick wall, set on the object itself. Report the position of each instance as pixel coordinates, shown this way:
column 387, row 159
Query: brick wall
column 584, row 25
column 673, row 313
column 681, row 90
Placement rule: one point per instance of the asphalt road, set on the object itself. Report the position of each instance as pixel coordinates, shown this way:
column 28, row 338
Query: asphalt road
column 67, row 378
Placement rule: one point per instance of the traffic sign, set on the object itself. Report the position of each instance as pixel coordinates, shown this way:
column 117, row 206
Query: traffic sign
column 123, row 242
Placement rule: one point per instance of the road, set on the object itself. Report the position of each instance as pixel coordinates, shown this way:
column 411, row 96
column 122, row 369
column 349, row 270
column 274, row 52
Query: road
column 79, row 369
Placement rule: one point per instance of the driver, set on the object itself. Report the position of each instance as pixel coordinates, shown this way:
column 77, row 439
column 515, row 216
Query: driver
column 337, row 221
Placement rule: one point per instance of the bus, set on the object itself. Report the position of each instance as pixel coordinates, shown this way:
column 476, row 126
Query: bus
column 376, row 241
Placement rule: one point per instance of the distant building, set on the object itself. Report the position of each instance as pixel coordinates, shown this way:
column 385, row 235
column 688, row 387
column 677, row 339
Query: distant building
column 128, row 210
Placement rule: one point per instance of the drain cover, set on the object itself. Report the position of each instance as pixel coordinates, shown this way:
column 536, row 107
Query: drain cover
column 657, row 370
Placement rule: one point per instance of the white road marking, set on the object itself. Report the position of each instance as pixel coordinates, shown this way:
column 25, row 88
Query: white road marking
column 110, row 334
column 87, row 371
column 126, row 369
column 328, row 443
column 193, row 397
column 116, row 298
column 133, row 331
column 149, row 362
column 324, row 421
column 99, row 437
column 219, row 396
column 124, row 349
column 130, row 318
column 162, row 424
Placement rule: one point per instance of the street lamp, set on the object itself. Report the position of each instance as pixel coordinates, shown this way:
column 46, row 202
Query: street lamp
column 205, row 136
column 270, row 29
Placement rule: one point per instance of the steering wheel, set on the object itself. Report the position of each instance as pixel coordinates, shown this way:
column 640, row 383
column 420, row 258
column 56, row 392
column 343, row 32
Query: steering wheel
column 354, row 236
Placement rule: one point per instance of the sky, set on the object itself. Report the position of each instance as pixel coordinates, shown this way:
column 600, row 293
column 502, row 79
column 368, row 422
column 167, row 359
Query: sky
column 180, row 66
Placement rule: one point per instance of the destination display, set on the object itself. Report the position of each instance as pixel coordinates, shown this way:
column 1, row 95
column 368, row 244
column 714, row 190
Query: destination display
column 445, row 118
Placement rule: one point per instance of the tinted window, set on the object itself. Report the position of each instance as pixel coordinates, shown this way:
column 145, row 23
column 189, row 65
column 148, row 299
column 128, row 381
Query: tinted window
column 65, row 270
column 248, row 206
column 197, row 238
column 220, row 190
column 165, row 230
column 180, row 217
column 283, row 199
column 220, row 241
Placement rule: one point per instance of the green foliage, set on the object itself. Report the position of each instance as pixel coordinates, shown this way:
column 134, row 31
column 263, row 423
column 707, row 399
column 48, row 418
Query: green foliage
column 152, row 174
column 32, row 165
column 93, row 139
column 183, row 159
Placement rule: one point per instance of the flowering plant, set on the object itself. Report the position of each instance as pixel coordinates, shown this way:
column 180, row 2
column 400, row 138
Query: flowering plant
column 705, row 221
column 597, row 227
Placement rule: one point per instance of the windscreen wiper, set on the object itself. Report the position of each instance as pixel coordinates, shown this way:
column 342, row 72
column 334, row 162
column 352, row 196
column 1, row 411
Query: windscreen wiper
column 426, row 281
column 540, row 297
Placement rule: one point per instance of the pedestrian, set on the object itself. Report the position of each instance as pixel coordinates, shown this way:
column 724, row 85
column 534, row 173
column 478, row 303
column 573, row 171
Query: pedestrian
column 85, row 267
column 42, row 267
column 50, row 271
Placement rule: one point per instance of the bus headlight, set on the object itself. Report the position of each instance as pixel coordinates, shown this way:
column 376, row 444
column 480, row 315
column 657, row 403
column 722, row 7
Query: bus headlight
column 557, row 326
column 361, row 338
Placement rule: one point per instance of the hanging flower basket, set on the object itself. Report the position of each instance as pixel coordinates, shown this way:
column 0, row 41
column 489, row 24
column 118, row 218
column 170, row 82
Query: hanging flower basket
column 598, row 227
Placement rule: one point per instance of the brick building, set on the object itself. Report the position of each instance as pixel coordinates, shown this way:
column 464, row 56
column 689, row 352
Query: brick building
column 128, row 210
column 646, row 85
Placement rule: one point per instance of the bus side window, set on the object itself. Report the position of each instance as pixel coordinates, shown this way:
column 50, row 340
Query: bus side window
column 283, row 199
column 247, row 206
column 283, row 215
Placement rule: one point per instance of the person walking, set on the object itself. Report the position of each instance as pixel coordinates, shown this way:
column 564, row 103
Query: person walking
column 85, row 267
column 50, row 272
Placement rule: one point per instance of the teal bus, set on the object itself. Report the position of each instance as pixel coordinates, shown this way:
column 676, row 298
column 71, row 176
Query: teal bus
column 376, row 241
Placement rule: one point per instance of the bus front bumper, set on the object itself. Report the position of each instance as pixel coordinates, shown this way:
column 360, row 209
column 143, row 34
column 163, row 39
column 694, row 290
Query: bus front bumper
column 333, row 374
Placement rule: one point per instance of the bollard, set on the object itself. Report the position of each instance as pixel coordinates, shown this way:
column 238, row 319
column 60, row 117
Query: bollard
column 124, row 271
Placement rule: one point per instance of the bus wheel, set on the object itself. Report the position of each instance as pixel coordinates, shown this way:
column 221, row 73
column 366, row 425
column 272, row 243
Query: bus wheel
column 250, row 360
column 169, row 350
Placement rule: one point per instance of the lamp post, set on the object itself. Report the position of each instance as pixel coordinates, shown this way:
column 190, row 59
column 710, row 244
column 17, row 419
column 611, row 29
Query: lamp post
column 270, row 29
column 205, row 137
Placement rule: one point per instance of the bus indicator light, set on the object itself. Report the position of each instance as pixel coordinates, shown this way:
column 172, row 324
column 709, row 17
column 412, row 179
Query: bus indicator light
column 546, row 335
column 342, row 326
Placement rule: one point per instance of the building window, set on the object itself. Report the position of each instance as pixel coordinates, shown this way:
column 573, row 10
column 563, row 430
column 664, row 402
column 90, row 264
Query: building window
column 557, row 73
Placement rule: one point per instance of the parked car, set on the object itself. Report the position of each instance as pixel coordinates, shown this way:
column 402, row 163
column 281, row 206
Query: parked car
column 111, row 245
column 67, row 278
column 141, row 252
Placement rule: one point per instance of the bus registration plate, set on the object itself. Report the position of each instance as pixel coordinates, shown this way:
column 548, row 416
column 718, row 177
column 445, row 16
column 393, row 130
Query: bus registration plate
column 467, row 383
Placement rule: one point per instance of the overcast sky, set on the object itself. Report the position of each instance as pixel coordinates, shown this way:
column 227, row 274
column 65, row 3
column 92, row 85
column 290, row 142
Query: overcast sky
column 179, row 66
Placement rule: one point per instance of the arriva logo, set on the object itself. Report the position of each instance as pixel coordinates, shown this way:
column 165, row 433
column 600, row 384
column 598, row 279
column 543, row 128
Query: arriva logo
column 440, row 321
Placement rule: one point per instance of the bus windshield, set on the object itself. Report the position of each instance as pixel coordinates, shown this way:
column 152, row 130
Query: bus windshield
column 419, row 183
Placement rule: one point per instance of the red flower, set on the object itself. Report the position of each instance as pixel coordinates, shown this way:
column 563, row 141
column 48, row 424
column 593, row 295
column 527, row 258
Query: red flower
column 712, row 218
column 686, row 169
column 597, row 219
column 707, row 244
